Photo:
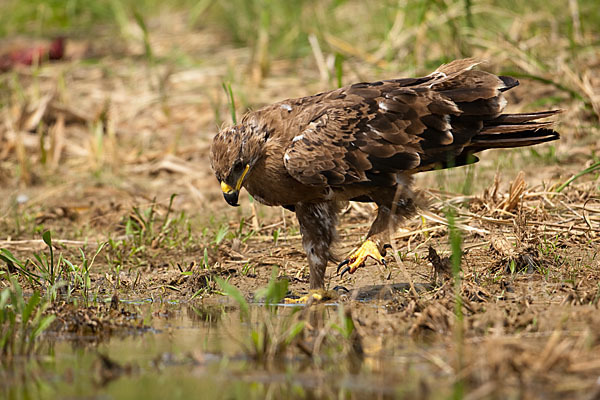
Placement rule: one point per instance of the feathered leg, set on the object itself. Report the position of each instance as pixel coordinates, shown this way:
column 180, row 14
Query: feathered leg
column 394, row 205
column 317, row 226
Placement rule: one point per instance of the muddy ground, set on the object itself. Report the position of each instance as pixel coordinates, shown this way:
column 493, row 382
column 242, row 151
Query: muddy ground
column 90, row 144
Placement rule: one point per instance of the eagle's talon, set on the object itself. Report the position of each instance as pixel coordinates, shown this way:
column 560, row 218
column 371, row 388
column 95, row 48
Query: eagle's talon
column 312, row 296
column 340, row 265
column 357, row 259
column 339, row 289
column 347, row 269
column 385, row 247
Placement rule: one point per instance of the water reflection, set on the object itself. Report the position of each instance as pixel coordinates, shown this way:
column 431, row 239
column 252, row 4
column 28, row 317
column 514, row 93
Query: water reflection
column 201, row 351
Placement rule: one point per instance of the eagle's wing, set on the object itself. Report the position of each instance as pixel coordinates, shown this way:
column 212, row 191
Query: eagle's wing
column 369, row 132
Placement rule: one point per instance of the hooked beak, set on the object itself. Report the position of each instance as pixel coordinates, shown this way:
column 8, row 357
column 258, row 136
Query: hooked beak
column 231, row 194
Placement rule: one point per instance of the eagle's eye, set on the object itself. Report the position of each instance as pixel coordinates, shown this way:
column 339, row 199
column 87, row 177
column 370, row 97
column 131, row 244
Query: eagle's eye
column 238, row 167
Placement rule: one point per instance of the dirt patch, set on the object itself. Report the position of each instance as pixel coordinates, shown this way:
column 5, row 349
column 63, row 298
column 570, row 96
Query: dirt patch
column 97, row 323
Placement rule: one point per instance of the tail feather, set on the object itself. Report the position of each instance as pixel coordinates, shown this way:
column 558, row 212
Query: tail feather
column 508, row 128
column 512, row 139
column 480, row 124
column 519, row 118
column 515, row 130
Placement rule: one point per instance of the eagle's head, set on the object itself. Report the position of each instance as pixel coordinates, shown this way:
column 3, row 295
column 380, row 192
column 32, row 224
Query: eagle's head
column 233, row 153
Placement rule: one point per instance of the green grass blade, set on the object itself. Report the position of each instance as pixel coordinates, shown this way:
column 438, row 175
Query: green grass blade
column 275, row 291
column 42, row 326
column 4, row 296
column 590, row 169
column 236, row 295
column 139, row 19
column 294, row 331
column 339, row 68
column 8, row 258
column 230, row 100
column 29, row 307
column 47, row 236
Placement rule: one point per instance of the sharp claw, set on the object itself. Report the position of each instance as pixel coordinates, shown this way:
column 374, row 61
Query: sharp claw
column 341, row 289
column 340, row 265
column 384, row 262
column 385, row 248
column 358, row 257
column 347, row 269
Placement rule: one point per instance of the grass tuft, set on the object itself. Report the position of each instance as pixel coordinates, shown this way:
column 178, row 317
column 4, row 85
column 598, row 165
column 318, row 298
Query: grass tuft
column 22, row 321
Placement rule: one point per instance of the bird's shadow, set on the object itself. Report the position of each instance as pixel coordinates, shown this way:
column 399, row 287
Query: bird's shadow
column 381, row 292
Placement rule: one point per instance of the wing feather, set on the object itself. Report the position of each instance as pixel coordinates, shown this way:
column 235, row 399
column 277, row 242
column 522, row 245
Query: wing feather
column 367, row 132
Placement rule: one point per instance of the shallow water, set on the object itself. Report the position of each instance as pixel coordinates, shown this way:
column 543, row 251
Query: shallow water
column 194, row 352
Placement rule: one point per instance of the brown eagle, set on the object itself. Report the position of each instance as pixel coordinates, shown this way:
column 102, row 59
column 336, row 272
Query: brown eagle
column 363, row 143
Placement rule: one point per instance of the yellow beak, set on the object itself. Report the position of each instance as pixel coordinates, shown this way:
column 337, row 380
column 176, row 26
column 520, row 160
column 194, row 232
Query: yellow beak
column 231, row 194
column 226, row 188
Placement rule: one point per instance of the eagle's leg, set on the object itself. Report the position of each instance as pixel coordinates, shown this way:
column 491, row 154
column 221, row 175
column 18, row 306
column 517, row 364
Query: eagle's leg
column 317, row 226
column 393, row 206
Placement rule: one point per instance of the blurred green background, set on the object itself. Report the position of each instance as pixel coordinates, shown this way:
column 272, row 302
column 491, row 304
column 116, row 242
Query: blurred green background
column 418, row 33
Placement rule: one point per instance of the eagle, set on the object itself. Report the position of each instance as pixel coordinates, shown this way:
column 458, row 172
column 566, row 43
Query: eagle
column 364, row 142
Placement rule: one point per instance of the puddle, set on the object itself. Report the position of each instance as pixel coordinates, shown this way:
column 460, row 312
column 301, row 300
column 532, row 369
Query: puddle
column 406, row 348
column 196, row 352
